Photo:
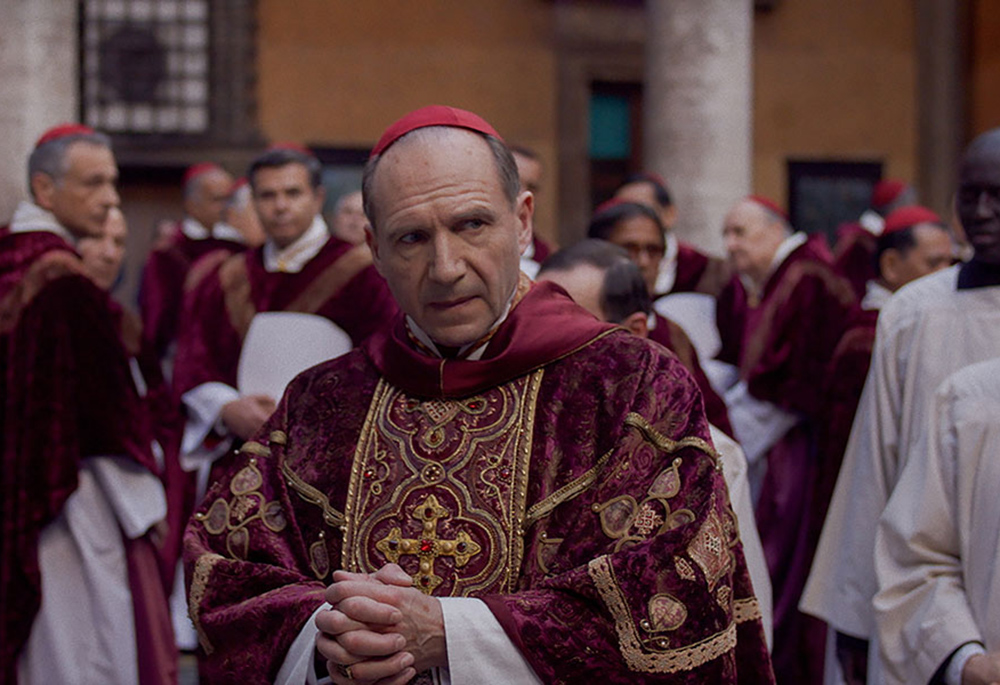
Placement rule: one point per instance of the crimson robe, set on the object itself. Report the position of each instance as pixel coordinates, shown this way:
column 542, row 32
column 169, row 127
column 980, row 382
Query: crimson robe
column 783, row 346
column 542, row 249
column 67, row 394
column 845, row 380
column 673, row 337
column 854, row 255
column 567, row 479
column 161, row 292
column 698, row 272
column 339, row 283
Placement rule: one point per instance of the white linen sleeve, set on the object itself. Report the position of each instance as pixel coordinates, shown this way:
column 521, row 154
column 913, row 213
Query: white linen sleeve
column 922, row 611
column 479, row 650
column 758, row 424
column 204, row 405
column 136, row 496
column 204, row 408
column 299, row 664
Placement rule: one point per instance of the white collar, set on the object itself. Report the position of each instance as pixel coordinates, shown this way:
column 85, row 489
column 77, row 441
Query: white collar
column 666, row 274
column 876, row 295
column 195, row 231
column 872, row 222
column 477, row 353
column 30, row 217
column 293, row 258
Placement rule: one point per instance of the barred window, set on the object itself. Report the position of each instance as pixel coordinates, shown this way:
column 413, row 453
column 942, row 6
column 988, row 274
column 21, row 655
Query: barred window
column 145, row 65
column 181, row 73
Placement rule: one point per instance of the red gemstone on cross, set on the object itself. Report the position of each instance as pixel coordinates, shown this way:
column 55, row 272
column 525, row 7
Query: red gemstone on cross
column 426, row 545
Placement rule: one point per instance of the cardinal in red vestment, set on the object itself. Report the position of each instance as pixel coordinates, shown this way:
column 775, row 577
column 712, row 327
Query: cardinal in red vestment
column 80, row 498
column 206, row 188
column 780, row 319
column 497, row 486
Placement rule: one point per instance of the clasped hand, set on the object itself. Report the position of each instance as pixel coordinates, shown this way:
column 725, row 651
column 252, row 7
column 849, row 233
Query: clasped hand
column 380, row 626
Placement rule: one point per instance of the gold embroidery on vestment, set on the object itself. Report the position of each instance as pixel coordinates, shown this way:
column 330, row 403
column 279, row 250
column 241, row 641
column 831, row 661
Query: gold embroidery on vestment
column 653, row 655
column 255, row 448
column 567, row 492
column 279, row 437
column 661, row 441
column 747, row 609
column 666, row 613
column 199, row 581
column 428, row 547
column 684, row 569
column 545, row 551
column 711, row 547
column 471, row 455
column 319, row 557
column 312, row 495
column 248, row 505
column 624, row 519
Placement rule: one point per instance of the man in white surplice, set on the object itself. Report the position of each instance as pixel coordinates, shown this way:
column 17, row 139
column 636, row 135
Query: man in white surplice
column 937, row 610
column 929, row 329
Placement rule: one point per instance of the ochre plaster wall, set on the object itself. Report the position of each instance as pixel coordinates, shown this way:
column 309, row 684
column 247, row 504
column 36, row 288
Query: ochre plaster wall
column 337, row 73
column 984, row 77
column 834, row 80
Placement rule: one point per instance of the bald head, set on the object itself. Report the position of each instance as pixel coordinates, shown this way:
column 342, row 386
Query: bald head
column 502, row 159
column 978, row 199
column 752, row 234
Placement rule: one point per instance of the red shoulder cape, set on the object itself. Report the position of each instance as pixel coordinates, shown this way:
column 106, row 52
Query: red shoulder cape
column 544, row 326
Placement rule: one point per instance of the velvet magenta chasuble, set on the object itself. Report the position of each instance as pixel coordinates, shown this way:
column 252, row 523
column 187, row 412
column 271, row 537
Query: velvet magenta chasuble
column 566, row 478
column 161, row 294
column 66, row 393
column 783, row 345
column 339, row 283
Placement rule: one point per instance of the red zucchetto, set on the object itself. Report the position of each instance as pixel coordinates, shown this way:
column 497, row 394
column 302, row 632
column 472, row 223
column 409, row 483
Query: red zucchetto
column 886, row 191
column 768, row 203
column 433, row 115
column 905, row 217
column 199, row 169
column 63, row 131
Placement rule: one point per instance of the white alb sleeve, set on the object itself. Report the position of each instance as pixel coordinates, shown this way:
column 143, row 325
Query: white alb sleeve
column 136, row 496
column 298, row 667
column 479, row 650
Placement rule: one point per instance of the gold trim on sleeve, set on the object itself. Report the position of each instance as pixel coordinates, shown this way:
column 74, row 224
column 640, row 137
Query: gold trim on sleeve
column 199, row 582
column 279, row 437
column 566, row 493
column 683, row 658
column 255, row 448
column 307, row 492
column 747, row 609
column 661, row 441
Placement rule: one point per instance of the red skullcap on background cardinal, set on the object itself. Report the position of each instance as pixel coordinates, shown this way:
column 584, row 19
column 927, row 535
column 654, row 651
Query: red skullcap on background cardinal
column 770, row 204
column 886, row 191
column 199, row 169
column 64, row 131
column 905, row 217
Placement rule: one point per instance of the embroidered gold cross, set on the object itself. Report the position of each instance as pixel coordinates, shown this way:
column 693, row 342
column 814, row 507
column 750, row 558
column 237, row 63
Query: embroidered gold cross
column 428, row 547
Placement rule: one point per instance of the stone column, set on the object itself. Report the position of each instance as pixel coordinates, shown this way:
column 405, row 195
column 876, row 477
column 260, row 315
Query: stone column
column 697, row 109
column 38, row 70
column 942, row 27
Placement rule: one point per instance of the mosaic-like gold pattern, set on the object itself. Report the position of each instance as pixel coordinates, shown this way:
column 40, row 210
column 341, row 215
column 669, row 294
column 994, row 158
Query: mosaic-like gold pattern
column 449, row 506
